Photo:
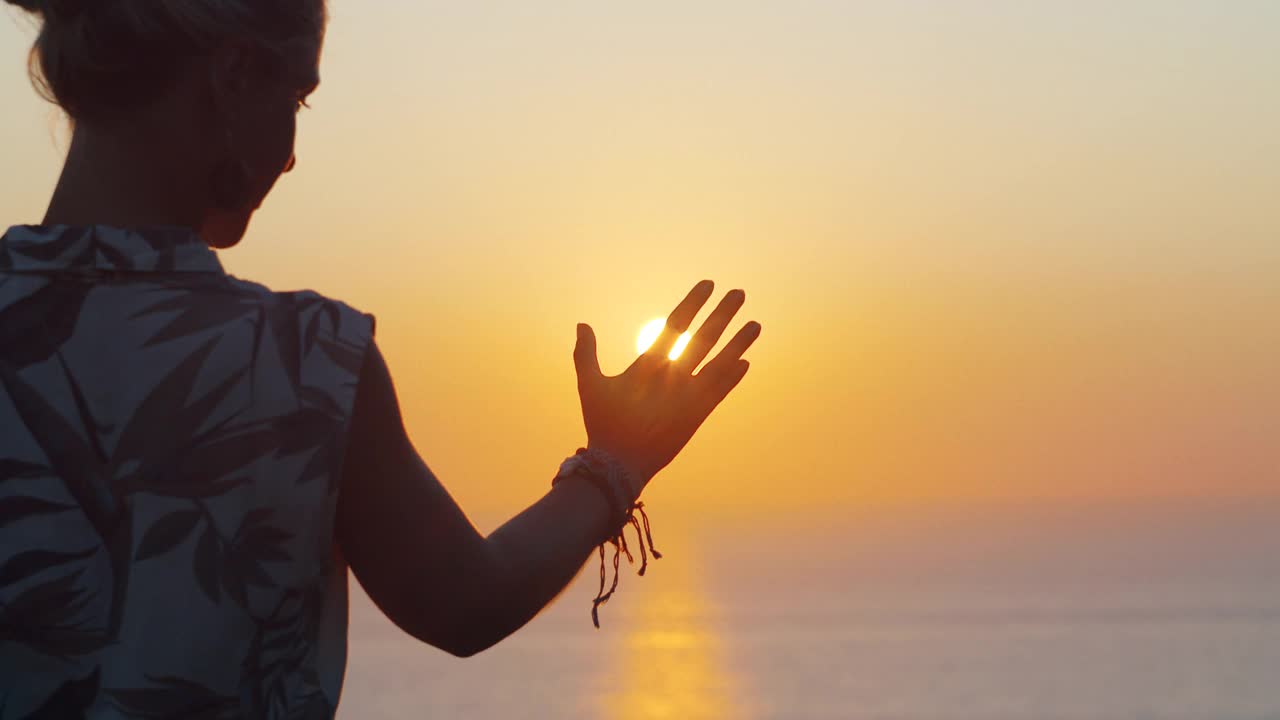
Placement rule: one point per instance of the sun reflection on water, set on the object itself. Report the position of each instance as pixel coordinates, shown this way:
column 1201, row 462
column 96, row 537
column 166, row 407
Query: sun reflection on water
column 671, row 663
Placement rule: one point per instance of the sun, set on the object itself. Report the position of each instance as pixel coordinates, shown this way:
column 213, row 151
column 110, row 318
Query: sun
column 649, row 335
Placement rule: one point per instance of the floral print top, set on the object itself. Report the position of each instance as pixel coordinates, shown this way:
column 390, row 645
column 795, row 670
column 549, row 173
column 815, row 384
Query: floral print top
column 171, row 442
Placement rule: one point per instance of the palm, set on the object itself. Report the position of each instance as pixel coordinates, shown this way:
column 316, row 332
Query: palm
column 646, row 415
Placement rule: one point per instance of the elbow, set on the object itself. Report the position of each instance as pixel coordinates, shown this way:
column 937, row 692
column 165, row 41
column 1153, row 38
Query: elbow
column 466, row 650
column 461, row 636
column 481, row 618
column 465, row 645
column 470, row 620
column 463, row 652
column 468, row 632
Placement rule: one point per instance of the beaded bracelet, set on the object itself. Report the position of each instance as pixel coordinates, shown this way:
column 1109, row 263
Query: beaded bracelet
column 609, row 477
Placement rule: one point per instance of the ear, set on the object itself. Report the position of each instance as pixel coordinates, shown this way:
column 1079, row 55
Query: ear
column 230, row 76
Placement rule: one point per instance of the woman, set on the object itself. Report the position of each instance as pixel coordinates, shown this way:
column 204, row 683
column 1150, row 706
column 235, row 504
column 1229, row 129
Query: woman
column 189, row 462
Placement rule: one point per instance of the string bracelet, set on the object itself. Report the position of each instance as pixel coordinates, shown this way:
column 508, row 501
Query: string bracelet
column 608, row 476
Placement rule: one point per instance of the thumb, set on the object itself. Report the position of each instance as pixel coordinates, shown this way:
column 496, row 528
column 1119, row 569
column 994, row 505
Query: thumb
column 584, row 354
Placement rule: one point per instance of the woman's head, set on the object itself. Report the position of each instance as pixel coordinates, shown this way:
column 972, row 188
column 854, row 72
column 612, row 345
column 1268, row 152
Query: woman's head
column 222, row 79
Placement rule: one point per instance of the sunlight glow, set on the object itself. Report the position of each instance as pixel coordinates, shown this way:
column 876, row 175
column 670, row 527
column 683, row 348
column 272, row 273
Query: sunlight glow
column 674, row 655
column 649, row 335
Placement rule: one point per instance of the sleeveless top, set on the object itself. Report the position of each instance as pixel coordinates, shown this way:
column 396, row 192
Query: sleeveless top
column 171, row 442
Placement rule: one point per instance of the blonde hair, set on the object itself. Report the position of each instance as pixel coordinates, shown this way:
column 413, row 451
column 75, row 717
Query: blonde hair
column 95, row 56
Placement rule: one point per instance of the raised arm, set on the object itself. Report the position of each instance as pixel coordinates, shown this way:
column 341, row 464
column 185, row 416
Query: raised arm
column 423, row 562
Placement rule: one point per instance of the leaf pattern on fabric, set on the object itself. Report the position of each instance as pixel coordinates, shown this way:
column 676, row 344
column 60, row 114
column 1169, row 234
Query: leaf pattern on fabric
column 154, row 430
column 282, row 317
column 24, row 565
column 68, row 453
column 11, row 469
column 167, row 533
column 17, row 509
column 94, row 429
column 193, row 314
column 343, row 355
column 51, row 603
column 254, row 546
column 71, row 700
column 171, row 416
column 71, row 247
column 50, row 616
column 175, row 698
column 276, row 670
column 208, row 564
column 34, row 327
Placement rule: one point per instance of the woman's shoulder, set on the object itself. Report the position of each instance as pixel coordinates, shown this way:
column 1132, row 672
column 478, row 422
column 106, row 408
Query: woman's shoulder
column 315, row 311
column 309, row 326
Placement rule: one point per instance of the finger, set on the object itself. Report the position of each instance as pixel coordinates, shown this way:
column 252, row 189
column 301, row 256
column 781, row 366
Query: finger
column 711, row 331
column 724, row 362
column 680, row 319
column 585, row 359
column 725, row 383
column 734, row 376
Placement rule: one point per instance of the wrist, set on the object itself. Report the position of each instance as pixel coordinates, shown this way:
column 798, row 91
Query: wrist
column 602, row 471
column 619, row 486
column 636, row 478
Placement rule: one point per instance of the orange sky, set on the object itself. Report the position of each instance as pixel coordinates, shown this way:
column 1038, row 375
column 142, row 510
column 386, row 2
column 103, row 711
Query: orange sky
column 1001, row 253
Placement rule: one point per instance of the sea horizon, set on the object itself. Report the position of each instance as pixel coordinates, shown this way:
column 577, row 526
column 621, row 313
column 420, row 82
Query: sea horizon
column 1165, row 614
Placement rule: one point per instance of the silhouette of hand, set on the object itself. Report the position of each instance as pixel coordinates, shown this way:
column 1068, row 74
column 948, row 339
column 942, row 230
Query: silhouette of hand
column 646, row 415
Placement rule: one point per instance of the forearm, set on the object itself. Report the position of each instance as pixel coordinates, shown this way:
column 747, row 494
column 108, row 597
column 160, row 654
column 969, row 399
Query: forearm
column 422, row 560
column 533, row 556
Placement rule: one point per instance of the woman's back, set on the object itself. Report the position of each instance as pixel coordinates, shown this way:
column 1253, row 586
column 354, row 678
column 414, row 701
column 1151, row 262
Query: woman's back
column 173, row 447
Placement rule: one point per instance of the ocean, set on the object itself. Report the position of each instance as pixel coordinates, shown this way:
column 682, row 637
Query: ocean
column 1083, row 613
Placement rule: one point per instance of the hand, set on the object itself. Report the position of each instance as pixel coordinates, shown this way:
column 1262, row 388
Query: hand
column 646, row 415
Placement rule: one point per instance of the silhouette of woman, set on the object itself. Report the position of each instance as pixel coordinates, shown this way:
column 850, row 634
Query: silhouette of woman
column 189, row 462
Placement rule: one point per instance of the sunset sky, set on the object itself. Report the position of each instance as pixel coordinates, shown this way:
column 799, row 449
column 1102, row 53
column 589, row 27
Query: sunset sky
column 1002, row 251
